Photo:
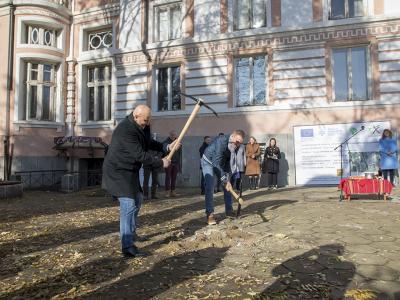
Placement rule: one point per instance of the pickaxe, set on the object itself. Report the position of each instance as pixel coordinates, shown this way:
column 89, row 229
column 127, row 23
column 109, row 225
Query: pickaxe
column 199, row 104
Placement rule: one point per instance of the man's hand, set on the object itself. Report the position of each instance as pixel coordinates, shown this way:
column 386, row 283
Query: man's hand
column 228, row 186
column 172, row 145
column 166, row 162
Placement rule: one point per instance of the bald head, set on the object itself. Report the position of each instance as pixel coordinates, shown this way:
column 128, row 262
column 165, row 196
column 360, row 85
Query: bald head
column 142, row 115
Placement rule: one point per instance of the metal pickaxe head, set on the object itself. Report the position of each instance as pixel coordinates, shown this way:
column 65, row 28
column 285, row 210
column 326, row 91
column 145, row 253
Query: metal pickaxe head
column 200, row 102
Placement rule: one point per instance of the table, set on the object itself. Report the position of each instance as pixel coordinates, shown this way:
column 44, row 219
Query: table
column 363, row 186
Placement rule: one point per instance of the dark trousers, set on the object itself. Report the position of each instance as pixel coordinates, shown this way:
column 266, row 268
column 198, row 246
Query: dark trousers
column 390, row 174
column 236, row 181
column 154, row 177
column 217, row 184
column 272, row 179
column 202, row 183
column 170, row 177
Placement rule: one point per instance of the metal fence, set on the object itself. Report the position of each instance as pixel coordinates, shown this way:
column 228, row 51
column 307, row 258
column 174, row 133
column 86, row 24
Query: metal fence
column 51, row 179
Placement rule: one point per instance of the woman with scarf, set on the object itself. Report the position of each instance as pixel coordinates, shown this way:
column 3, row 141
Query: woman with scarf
column 238, row 165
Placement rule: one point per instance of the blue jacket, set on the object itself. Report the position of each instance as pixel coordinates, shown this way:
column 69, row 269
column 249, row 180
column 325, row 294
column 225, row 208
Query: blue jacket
column 388, row 161
column 219, row 155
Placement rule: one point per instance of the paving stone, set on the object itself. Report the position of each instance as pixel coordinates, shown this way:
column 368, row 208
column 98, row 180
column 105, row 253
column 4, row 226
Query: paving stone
column 303, row 265
column 378, row 272
column 388, row 246
column 361, row 249
column 368, row 259
column 385, row 289
column 354, row 240
column 379, row 237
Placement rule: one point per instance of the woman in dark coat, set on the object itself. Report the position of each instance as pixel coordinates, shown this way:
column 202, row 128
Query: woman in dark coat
column 271, row 163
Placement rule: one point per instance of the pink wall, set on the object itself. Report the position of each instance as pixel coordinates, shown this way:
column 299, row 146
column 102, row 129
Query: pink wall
column 86, row 4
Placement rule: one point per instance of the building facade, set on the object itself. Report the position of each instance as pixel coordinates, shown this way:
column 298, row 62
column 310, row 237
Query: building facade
column 75, row 68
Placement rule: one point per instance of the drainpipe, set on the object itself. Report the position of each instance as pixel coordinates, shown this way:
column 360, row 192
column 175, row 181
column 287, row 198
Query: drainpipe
column 145, row 29
column 7, row 167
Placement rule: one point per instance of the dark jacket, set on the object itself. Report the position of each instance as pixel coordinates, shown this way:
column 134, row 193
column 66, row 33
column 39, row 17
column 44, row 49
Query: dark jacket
column 126, row 154
column 219, row 155
column 202, row 149
column 270, row 164
column 176, row 158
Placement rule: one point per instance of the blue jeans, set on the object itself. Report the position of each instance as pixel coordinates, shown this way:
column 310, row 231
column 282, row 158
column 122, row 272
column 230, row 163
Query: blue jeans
column 208, row 173
column 128, row 214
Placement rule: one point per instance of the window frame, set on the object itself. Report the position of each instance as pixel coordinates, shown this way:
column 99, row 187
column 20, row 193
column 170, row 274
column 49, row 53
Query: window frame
column 107, row 84
column 181, row 85
column 251, row 65
column 368, row 61
column 105, row 31
column 251, row 16
column 347, row 11
column 39, row 83
column 156, row 21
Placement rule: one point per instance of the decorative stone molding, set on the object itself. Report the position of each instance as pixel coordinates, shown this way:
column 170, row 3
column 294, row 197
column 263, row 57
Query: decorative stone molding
column 103, row 12
column 41, row 12
column 53, row 5
column 295, row 40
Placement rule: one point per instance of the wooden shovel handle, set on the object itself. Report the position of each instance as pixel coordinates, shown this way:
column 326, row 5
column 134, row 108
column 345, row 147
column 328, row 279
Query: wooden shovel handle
column 183, row 132
column 236, row 196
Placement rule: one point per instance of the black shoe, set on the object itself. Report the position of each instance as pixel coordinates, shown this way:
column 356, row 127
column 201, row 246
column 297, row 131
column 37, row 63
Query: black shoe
column 138, row 238
column 133, row 252
column 230, row 214
column 154, row 197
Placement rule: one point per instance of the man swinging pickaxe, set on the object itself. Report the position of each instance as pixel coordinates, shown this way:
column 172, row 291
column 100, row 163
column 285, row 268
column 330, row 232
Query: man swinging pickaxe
column 215, row 161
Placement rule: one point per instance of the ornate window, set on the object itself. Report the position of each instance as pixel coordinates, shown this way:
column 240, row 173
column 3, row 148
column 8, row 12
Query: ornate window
column 250, row 14
column 350, row 73
column 99, row 93
column 168, row 21
column 341, row 9
column 100, row 39
column 40, row 91
column 250, row 80
column 37, row 35
column 169, row 88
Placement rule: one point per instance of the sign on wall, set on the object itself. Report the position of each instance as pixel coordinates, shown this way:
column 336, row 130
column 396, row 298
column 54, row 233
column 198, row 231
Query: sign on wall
column 316, row 160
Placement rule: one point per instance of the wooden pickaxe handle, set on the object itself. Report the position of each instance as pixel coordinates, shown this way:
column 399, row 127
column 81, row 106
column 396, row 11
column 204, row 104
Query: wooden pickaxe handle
column 184, row 130
column 235, row 195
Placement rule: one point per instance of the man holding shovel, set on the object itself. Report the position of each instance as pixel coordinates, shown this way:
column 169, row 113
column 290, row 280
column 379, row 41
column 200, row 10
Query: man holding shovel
column 128, row 151
column 216, row 160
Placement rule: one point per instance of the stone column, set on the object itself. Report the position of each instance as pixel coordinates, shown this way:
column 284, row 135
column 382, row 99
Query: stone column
column 70, row 116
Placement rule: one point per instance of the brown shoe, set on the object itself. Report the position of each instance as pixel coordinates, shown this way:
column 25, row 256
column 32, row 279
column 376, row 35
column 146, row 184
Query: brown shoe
column 211, row 220
column 173, row 194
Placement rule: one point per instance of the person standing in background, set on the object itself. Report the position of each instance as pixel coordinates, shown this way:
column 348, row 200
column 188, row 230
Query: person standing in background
column 271, row 163
column 218, row 184
column 253, row 152
column 153, row 171
column 238, row 166
column 206, row 142
column 172, row 171
column 388, row 151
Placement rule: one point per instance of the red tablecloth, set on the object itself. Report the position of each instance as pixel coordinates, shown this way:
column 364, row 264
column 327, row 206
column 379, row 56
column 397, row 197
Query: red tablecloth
column 352, row 186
